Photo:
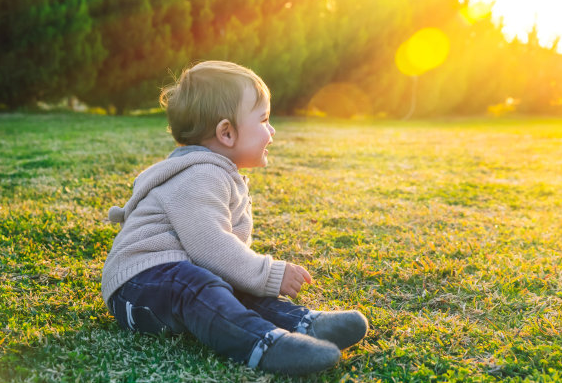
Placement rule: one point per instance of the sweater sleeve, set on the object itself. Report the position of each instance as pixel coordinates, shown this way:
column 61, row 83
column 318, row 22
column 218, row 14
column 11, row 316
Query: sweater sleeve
column 199, row 212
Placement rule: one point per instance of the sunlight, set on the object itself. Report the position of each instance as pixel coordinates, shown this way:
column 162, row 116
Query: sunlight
column 474, row 12
column 519, row 17
column 426, row 49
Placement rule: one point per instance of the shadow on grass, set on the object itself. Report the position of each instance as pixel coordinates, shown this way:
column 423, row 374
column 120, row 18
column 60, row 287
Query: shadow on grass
column 110, row 354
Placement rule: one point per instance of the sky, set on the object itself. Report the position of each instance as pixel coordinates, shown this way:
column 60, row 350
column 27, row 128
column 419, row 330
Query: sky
column 519, row 16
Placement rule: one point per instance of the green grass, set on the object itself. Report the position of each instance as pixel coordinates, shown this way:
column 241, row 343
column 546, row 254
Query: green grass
column 446, row 234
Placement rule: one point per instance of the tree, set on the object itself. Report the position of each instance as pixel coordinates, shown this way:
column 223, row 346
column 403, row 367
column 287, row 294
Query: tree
column 119, row 53
column 540, row 88
column 49, row 50
column 145, row 39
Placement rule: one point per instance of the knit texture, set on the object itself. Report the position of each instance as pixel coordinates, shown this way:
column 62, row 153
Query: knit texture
column 190, row 207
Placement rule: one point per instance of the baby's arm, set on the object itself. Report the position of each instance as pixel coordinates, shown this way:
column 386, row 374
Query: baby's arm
column 199, row 212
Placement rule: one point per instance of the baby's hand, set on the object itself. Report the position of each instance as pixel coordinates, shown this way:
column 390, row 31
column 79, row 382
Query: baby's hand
column 293, row 279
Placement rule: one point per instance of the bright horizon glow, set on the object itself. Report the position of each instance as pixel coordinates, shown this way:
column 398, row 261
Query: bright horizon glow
column 519, row 17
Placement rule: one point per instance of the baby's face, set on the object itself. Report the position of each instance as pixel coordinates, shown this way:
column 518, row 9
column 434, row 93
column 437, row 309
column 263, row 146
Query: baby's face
column 254, row 132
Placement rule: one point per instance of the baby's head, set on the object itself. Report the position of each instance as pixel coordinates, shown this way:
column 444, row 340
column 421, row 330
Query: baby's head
column 206, row 94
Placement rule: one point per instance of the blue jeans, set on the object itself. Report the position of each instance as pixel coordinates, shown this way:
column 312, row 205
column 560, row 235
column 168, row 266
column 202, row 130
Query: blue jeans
column 181, row 297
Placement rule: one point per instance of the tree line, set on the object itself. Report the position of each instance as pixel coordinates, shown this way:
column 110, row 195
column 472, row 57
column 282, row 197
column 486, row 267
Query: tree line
column 330, row 56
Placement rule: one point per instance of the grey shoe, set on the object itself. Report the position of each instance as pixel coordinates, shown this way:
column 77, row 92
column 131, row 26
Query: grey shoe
column 343, row 328
column 299, row 354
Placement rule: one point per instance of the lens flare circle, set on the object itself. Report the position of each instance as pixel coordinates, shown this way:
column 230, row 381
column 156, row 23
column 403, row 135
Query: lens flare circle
column 425, row 50
column 474, row 12
column 340, row 99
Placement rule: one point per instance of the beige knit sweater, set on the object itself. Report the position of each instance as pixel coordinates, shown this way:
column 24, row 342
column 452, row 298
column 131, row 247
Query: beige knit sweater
column 193, row 207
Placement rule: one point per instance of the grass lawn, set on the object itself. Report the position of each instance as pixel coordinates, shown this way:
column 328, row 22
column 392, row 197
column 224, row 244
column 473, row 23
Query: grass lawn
column 446, row 234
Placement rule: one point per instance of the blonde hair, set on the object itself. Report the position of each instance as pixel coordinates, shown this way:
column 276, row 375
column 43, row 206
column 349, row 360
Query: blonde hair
column 206, row 94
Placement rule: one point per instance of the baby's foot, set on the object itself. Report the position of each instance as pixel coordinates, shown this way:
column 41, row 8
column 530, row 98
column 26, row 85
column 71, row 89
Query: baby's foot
column 343, row 328
column 299, row 354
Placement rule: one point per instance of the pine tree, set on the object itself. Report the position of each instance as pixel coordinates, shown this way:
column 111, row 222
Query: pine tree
column 145, row 40
column 49, row 50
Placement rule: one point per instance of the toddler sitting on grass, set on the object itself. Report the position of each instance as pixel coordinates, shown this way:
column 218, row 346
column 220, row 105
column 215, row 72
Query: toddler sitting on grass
column 182, row 261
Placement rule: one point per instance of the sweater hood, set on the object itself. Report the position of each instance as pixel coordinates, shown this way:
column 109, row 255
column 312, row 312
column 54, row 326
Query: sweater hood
column 179, row 160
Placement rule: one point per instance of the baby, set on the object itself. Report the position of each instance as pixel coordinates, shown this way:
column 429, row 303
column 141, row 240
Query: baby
column 182, row 261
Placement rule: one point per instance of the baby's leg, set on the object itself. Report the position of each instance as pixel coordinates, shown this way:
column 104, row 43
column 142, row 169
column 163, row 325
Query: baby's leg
column 343, row 328
column 183, row 297
column 280, row 311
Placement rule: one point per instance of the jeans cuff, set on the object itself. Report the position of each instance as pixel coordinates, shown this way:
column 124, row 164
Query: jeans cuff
column 263, row 345
column 306, row 321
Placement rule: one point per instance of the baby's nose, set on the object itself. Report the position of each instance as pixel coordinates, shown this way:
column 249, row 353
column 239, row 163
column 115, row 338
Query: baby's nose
column 271, row 130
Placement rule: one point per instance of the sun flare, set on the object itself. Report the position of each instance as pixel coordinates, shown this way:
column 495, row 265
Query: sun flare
column 426, row 49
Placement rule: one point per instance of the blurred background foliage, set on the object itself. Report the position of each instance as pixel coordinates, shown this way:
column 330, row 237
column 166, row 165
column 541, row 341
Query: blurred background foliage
column 325, row 57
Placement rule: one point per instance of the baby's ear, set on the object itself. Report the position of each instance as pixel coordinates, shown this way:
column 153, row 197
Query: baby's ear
column 225, row 132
